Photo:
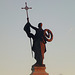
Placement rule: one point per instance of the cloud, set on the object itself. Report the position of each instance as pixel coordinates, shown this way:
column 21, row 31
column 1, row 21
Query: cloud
column 72, row 29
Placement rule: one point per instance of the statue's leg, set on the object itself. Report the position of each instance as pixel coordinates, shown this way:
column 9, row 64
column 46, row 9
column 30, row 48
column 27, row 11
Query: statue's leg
column 39, row 60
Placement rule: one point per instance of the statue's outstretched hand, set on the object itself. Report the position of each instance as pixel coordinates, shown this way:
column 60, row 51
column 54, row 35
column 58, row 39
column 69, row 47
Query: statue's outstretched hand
column 27, row 19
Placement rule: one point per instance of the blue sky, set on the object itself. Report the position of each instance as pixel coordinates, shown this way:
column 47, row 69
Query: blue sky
column 15, row 52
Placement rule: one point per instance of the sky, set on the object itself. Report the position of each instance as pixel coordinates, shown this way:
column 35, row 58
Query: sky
column 15, row 49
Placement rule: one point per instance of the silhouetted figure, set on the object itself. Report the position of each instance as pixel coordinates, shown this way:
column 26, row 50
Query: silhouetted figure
column 39, row 41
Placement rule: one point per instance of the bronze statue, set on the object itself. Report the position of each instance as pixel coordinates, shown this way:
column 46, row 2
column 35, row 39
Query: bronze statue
column 40, row 38
column 39, row 41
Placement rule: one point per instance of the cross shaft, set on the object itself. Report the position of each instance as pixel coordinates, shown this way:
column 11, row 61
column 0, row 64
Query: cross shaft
column 26, row 8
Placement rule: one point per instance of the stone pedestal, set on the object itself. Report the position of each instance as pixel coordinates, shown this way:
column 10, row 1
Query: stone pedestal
column 38, row 71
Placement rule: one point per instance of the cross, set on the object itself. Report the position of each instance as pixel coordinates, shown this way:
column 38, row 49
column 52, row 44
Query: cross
column 26, row 8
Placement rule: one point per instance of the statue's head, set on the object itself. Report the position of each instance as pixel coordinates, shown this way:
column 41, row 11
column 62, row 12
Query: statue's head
column 40, row 25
